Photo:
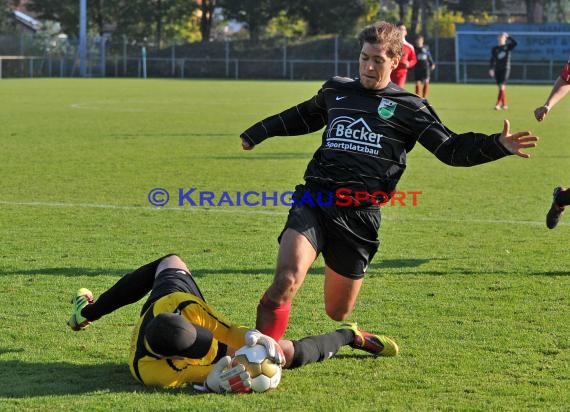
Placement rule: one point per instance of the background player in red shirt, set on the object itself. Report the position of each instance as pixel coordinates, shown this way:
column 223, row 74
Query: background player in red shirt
column 561, row 196
column 407, row 61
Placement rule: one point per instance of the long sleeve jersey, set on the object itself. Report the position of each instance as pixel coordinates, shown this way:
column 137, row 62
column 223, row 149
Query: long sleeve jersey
column 368, row 134
column 155, row 371
column 501, row 55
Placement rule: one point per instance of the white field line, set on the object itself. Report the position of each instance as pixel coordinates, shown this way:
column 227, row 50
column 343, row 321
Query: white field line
column 213, row 209
column 254, row 211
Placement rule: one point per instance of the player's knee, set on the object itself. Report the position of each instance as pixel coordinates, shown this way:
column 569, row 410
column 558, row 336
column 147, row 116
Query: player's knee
column 171, row 261
column 285, row 285
column 336, row 313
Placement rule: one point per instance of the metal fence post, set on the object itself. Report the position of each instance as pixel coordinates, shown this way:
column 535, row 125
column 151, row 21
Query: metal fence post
column 336, row 55
column 227, row 57
column 173, row 59
column 285, row 59
column 124, row 55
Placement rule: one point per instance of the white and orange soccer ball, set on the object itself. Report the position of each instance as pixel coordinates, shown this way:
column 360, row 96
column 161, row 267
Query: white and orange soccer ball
column 265, row 373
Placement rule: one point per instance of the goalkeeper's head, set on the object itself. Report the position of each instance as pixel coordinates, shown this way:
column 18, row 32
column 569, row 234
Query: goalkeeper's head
column 171, row 335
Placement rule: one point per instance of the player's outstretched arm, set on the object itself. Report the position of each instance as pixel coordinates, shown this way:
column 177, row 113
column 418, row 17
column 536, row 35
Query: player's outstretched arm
column 517, row 142
column 558, row 92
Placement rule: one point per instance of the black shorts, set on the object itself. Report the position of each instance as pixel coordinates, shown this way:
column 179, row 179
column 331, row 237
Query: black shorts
column 421, row 74
column 501, row 76
column 346, row 236
column 169, row 281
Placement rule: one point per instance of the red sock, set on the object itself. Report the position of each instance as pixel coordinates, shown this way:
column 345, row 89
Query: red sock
column 504, row 98
column 272, row 319
column 417, row 88
column 500, row 98
column 426, row 87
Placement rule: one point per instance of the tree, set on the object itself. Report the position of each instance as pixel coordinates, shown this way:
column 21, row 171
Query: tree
column 557, row 10
column 329, row 16
column 4, row 13
column 153, row 20
column 137, row 19
column 6, row 9
column 402, row 6
column 65, row 12
column 472, row 7
column 206, row 18
column 417, row 5
column 532, row 10
column 256, row 14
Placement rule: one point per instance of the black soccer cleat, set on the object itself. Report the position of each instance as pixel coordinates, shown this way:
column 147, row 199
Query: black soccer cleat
column 556, row 210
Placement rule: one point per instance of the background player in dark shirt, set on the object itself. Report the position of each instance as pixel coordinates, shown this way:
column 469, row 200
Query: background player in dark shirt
column 179, row 339
column 370, row 126
column 561, row 196
column 500, row 66
column 423, row 67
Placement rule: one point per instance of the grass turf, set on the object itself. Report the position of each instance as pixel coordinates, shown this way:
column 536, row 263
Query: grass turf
column 469, row 282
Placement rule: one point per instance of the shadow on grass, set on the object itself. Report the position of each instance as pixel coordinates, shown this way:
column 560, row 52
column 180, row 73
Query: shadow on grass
column 64, row 272
column 264, row 156
column 316, row 269
column 399, row 263
column 384, row 267
column 28, row 379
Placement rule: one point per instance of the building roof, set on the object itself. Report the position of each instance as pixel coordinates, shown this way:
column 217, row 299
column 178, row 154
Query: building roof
column 26, row 20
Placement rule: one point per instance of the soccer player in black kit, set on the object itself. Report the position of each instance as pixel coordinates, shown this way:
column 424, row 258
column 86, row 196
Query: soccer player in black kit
column 423, row 67
column 500, row 67
column 370, row 126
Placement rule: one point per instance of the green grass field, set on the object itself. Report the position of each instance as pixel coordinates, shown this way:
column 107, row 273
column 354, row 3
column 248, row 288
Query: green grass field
column 470, row 282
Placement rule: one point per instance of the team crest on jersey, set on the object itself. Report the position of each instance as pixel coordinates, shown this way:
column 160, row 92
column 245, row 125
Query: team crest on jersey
column 386, row 108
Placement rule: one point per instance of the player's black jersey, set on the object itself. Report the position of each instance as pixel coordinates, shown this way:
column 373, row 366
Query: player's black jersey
column 425, row 61
column 501, row 55
column 368, row 135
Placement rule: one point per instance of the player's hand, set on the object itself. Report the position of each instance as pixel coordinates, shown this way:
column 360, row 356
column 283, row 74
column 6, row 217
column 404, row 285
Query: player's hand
column 235, row 380
column 245, row 144
column 492, row 73
column 254, row 337
column 541, row 112
column 515, row 143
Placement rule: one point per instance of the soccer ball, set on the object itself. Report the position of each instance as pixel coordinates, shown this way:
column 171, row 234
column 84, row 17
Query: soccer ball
column 265, row 374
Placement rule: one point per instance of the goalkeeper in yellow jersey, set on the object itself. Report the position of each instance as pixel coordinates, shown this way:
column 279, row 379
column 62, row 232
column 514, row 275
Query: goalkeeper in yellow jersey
column 179, row 339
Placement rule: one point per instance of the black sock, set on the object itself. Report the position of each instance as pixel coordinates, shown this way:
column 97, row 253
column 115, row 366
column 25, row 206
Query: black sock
column 319, row 348
column 129, row 289
column 563, row 198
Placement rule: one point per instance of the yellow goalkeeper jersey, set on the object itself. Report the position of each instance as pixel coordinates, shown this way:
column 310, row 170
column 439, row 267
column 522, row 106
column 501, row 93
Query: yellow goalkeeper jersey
column 152, row 370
